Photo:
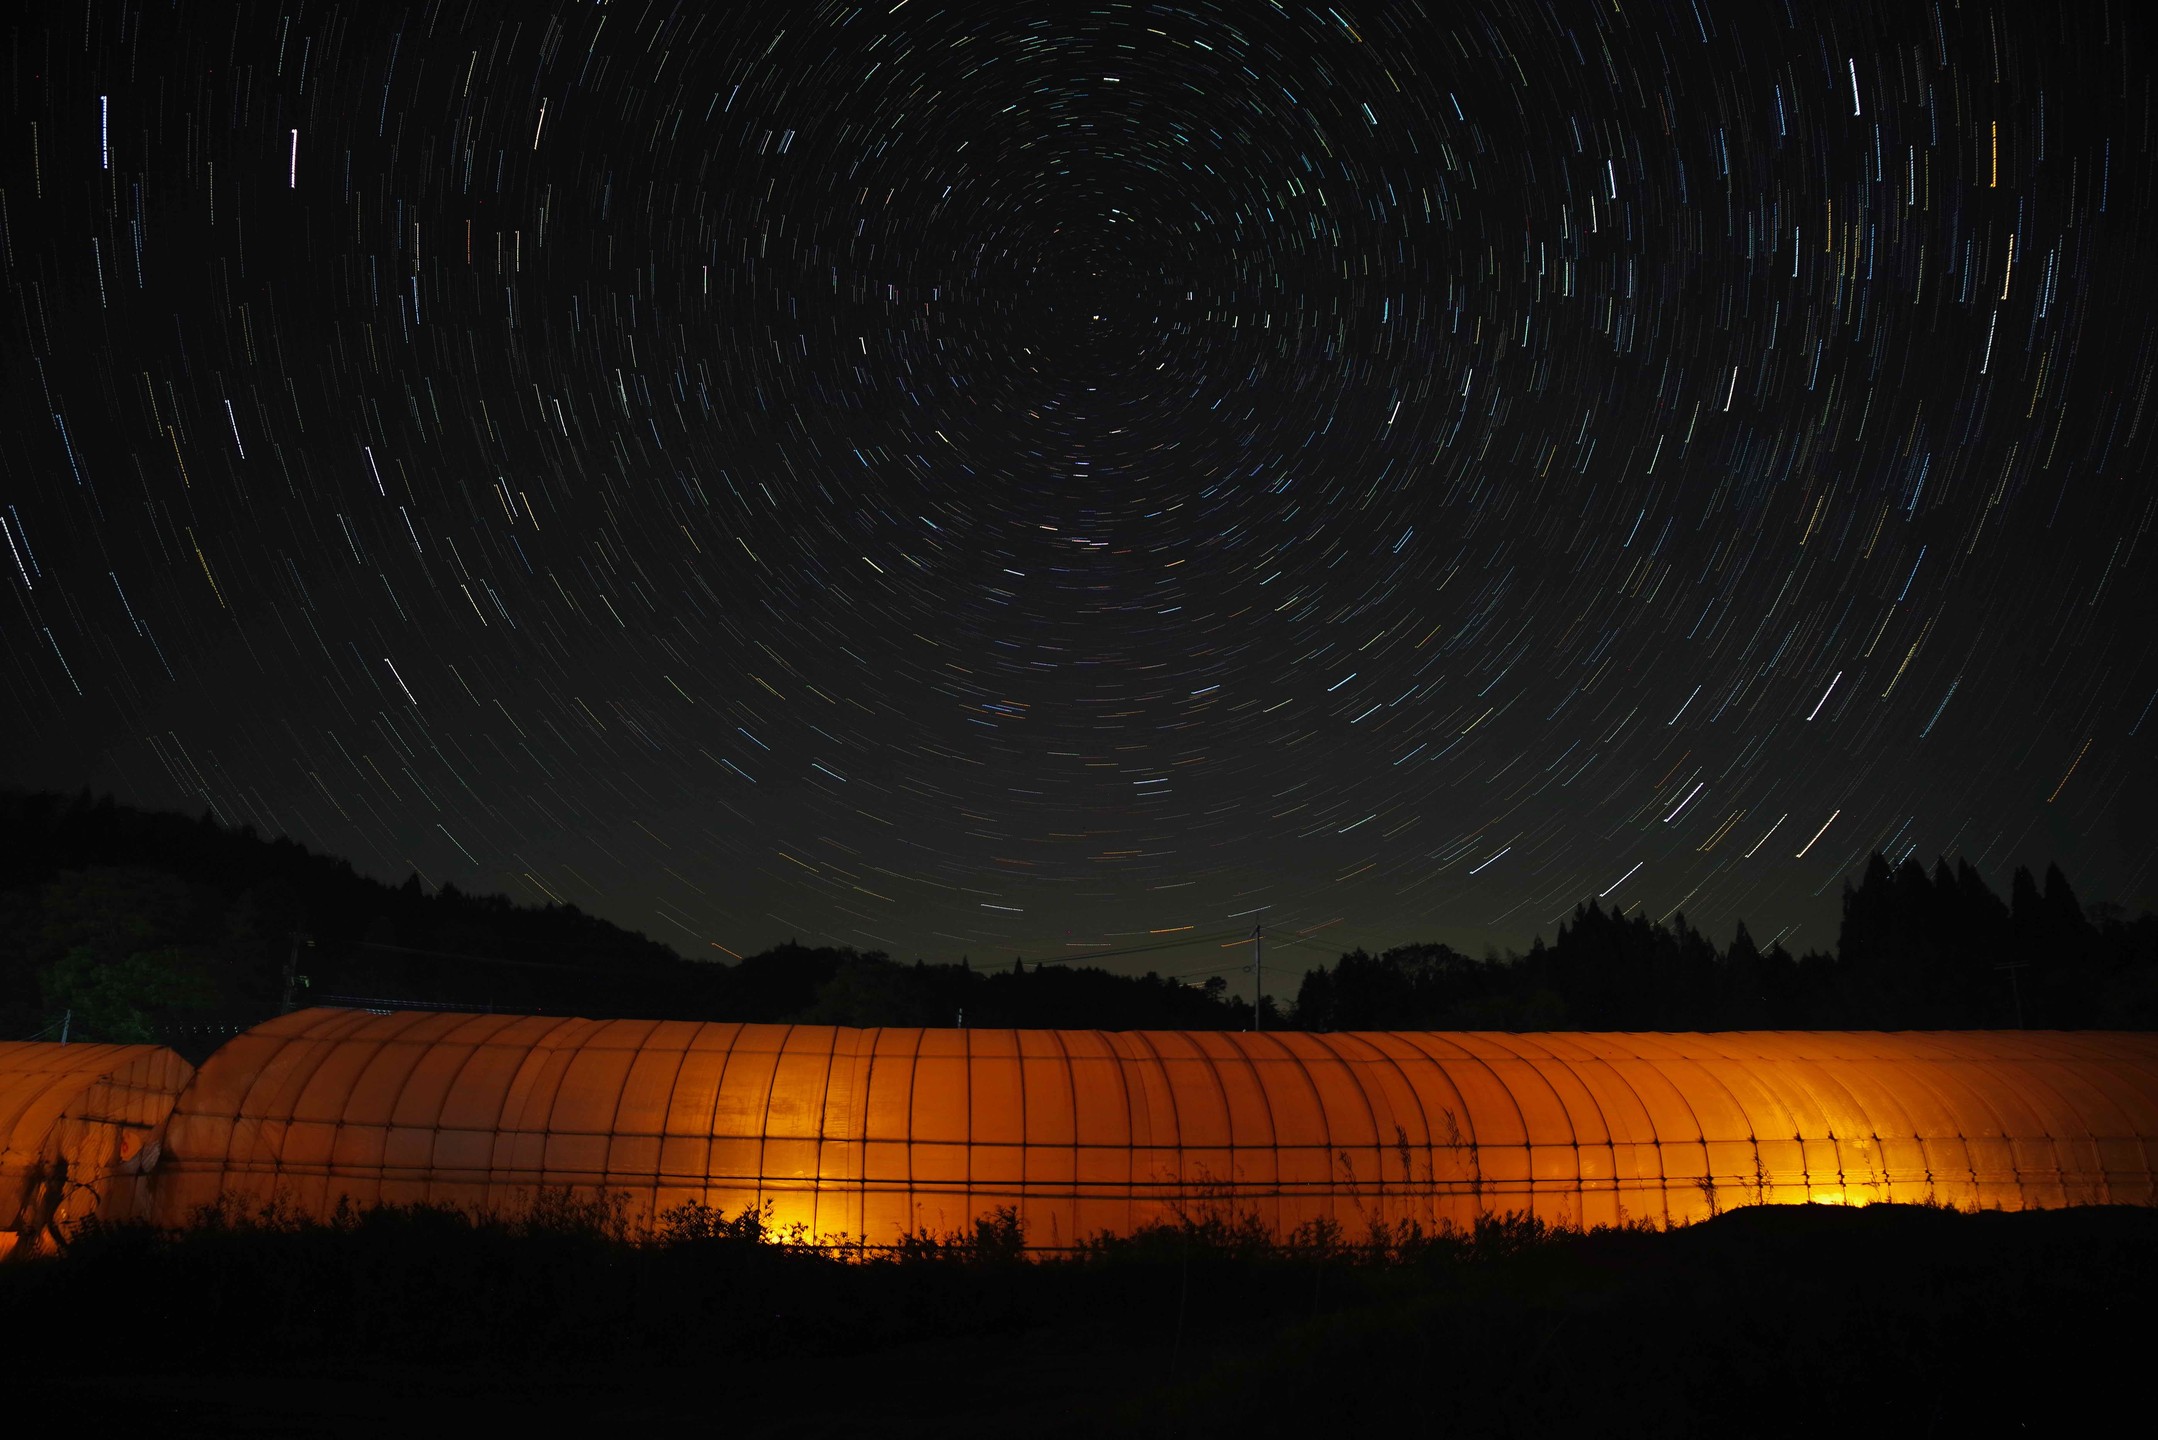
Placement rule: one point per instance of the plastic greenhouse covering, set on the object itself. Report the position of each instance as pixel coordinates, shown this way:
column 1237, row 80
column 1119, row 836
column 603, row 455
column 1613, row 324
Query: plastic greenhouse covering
column 872, row 1134
column 78, row 1130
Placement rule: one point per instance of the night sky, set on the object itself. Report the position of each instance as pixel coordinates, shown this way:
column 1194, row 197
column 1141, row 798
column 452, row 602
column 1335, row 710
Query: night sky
column 1007, row 480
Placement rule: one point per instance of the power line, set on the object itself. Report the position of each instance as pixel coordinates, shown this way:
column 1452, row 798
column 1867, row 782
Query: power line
column 1242, row 938
column 1182, row 943
column 477, row 959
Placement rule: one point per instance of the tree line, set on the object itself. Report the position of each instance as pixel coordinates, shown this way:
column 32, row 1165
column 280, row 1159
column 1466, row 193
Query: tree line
column 1916, row 950
column 123, row 924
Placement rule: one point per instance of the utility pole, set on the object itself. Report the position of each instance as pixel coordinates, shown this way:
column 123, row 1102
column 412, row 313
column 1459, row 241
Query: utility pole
column 1258, row 990
column 292, row 970
column 67, row 1018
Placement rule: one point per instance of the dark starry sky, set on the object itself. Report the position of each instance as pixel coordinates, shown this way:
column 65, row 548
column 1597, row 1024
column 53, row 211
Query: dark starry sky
column 1045, row 480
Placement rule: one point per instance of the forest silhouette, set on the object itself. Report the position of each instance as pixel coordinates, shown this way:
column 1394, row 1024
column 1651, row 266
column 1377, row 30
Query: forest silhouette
column 123, row 924
column 1915, row 951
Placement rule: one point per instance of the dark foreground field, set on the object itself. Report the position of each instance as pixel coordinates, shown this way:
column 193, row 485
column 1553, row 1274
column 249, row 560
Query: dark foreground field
column 1889, row 1321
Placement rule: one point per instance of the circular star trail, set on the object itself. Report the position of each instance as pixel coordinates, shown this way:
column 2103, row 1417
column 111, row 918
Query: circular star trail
column 956, row 479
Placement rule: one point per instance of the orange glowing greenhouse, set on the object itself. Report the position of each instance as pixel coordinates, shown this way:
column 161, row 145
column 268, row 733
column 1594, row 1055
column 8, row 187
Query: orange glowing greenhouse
column 872, row 1134
column 78, row 1133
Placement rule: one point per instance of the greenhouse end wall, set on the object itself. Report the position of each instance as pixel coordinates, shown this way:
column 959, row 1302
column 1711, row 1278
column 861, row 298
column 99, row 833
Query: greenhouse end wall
column 874, row 1134
column 79, row 1131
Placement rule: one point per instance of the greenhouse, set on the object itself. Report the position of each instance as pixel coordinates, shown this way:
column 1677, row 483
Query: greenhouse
column 78, row 1131
column 873, row 1134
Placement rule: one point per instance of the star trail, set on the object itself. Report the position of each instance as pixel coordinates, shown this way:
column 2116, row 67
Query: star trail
column 1068, row 481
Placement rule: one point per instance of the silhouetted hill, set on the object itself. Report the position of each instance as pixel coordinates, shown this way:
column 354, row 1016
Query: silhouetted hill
column 138, row 925
column 139, row 921
column 141, row 925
